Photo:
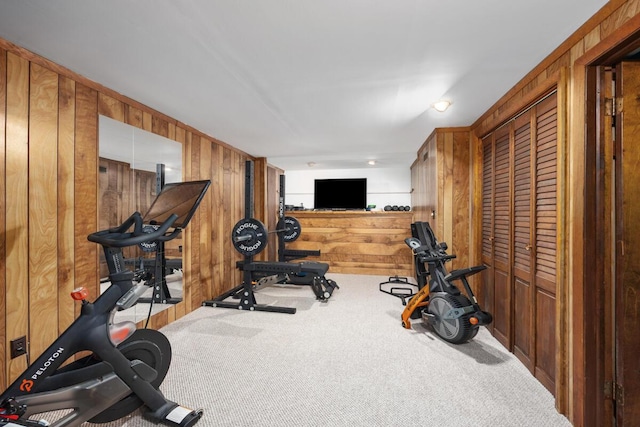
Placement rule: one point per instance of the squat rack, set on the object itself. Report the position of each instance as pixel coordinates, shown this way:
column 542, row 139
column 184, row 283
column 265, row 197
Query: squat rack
column 244, row 292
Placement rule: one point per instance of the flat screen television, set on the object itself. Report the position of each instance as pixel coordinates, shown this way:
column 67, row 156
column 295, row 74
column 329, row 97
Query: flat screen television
column 347, row 193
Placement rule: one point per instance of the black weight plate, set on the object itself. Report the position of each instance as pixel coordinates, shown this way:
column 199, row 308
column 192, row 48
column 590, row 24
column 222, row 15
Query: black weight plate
column 149, row 246
column 292, row 229
column 249, row 236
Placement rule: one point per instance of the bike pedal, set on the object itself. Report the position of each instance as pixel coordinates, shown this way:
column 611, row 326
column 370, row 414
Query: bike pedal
column 176, row 416
column 184, row 417
column 428, row 317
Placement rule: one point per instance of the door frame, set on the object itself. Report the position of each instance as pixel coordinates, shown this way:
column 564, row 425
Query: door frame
column 593, row 358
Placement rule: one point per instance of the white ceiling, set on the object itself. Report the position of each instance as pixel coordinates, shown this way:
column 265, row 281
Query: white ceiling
column 335, row 82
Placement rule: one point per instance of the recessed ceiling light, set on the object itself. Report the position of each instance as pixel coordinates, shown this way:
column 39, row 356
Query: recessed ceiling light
column 311, row 164
column 441, row 105
column 371, row 162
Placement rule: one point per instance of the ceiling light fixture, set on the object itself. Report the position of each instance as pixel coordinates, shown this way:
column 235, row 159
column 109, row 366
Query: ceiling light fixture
column 371, row 162
column 441, row 105
column 311, row 164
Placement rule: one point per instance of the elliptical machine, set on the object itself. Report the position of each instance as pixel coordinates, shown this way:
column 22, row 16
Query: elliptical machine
column 126, row 366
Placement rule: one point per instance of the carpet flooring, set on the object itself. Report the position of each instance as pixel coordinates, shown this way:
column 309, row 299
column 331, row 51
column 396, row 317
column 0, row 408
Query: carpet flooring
column 345, row 362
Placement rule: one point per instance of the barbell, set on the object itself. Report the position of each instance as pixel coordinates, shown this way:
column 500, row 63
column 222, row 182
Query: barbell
column 249, row 235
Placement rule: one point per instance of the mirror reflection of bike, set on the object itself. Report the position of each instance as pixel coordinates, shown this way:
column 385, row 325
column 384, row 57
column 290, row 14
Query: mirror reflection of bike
column 126, row 366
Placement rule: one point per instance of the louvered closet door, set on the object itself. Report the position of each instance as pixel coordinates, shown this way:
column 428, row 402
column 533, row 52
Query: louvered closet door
column 487, row 293
column 546, row 170
column 522, row 244
column 519, row 204
column 501, row 238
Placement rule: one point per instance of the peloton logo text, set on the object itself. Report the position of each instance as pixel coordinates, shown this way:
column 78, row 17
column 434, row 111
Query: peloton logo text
column 48, row 363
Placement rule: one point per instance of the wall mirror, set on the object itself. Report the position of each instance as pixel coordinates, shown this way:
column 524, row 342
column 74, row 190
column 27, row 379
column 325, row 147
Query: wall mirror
column 134, row 164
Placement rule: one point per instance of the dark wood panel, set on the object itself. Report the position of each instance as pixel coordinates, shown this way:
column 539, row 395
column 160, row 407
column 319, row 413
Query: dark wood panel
column 487, row 296
column 546, row 157
column 502, row 305
column 487, row 199
column 522, row 338
column 522, row 199
column 522, row 205
column 488, row 292
column 522, row 244
column 545, row 368
column 502, row 201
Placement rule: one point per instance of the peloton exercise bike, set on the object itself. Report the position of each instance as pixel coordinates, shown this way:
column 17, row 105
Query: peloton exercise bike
column 126, row 366
column 455, row 317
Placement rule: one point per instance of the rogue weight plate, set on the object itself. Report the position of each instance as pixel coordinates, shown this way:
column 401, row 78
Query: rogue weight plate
column 149, row 246
column 249, row 236
column 292, row 229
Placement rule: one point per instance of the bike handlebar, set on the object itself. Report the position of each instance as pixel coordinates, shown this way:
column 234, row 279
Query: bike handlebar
column 120, row 237
column 436, row 258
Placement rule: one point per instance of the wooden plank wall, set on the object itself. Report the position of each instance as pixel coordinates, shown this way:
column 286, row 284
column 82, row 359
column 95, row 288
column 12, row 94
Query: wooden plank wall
column 358, row 242
column 49, row 200
column 441, row 190
column 563, row 69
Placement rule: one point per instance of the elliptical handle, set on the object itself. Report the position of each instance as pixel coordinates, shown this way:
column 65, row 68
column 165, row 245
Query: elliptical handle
column 119, row 237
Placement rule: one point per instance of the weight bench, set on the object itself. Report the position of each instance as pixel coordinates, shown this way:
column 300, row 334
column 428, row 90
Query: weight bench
column 249, row 237
column 293, row 273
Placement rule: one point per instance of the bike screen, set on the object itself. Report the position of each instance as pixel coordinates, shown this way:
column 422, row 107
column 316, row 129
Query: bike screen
column 180, row 198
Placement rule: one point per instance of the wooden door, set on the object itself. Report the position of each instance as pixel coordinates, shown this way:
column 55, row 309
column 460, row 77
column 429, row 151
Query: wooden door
column 545, row 243
column 487, row 293
column 519, row 236
column 523, row 330
column 502, row 238
column 627, row 305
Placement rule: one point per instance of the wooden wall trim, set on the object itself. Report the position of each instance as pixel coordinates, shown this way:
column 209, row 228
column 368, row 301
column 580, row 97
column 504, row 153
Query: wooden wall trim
column 3, row 208
column 606, row 49
column 524, row 101
column 520, row 88
column 562, row 292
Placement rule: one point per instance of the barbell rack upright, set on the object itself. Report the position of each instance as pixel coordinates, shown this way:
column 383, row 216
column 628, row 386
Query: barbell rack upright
column 244, row 292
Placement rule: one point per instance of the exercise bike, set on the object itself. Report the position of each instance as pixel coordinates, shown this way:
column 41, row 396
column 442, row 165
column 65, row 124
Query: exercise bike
column 454, row 316
column 126, row 366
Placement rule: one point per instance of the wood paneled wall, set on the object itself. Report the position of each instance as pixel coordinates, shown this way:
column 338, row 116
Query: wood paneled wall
column 441, row 190
column 49, row 200
column 357, row 242
column 565, row 70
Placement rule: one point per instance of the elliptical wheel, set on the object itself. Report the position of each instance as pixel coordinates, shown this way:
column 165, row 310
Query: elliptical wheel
column 457, row 330
column 150, row 347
